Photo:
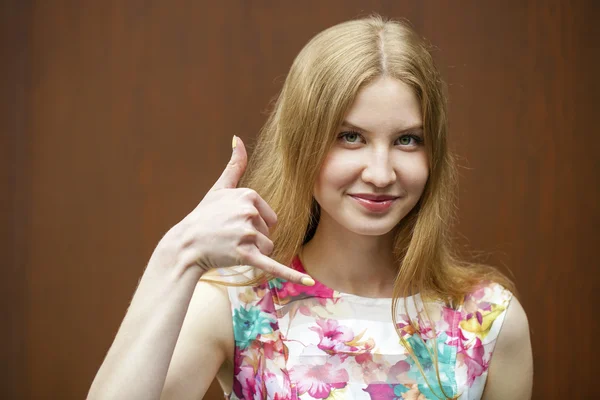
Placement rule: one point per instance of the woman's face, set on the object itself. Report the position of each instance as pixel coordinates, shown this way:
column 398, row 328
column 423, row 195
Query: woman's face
column 376, row 171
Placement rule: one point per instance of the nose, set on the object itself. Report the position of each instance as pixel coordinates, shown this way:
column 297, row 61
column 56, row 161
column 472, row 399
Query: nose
column 378, row 169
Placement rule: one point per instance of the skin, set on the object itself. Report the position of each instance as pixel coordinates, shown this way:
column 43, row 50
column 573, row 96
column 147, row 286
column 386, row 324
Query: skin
column 166, row 349
column 510, row 375
column 385, row 156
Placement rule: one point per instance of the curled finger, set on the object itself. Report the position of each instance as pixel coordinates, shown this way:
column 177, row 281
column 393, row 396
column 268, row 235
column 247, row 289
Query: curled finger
column 260, row 225
column 264, row 244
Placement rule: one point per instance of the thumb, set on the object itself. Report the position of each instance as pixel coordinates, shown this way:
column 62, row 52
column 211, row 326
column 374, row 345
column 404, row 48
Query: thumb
column 235, row 168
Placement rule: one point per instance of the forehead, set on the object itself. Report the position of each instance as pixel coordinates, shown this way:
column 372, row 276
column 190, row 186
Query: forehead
column 385, row 104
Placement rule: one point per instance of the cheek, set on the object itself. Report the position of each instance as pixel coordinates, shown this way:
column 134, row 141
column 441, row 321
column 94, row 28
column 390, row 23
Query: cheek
column 415, row 172
column 335, row 174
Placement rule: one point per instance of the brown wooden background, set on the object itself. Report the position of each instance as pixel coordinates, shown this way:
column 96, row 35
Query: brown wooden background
column 116, row 117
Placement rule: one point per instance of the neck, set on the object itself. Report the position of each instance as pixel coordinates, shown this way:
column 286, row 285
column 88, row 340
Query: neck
column 349, row 262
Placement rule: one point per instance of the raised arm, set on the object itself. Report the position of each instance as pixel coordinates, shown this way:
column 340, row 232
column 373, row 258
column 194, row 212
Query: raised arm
column 203, row 346
column 229, row 227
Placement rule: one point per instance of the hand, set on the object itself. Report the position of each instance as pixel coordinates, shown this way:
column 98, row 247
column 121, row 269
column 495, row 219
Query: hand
column 229, row 227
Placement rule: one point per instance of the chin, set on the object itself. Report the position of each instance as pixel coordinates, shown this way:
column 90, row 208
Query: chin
column 369, row 228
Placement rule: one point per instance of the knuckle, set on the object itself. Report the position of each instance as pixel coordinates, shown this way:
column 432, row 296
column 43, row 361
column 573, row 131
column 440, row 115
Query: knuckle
column 249, row 212
column 248, row 234
column 269, row 247
column 250, row 194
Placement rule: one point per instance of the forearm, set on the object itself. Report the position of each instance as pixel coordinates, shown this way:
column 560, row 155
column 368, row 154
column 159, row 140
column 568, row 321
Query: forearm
column 137, row 363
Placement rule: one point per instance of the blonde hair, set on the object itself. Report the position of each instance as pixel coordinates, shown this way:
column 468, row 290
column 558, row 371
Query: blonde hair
column 318, row 91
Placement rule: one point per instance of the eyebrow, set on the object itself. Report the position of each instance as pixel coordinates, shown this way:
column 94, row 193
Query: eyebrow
column 418, row 127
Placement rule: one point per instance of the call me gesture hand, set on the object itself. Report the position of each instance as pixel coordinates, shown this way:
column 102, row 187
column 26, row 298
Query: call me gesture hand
column 229, row 227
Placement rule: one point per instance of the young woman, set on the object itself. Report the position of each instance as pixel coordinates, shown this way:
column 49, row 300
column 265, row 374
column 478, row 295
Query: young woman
column 335, row 272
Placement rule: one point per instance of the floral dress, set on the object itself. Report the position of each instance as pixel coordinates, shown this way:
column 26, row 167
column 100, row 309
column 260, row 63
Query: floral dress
column 298, row 342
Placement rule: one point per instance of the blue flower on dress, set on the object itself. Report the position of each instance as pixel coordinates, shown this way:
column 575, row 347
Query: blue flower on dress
column 446, row 355
column 249, row 323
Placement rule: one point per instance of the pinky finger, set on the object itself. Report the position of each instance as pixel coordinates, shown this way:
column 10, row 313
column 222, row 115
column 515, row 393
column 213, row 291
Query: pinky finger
column 272, row 267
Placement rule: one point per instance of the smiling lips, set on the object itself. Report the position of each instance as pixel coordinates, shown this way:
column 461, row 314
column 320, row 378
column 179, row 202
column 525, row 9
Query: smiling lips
column 374, row 202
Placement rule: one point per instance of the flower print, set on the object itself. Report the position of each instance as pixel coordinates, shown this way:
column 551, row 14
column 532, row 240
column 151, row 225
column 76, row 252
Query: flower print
column 450, row 319
column 478, row 300
column 305, row 310
column 446, row 356
column 266, row 304
column 472, row 357
column 333, row 337
column 273, row 388
column 289, row 291
column 413, row 394
column 408, row 327
column 405, row 328
column 480, row 323
column 338, row 339
column 449, row 324
column 318, row 380
column 247, row 296
column 384, row 391
column 380, row 391
column 276, row 283
column 274, row 348
column 249, row 323
column 372, row 371
column 249, row 385
column 478, row 293
column 401, row 367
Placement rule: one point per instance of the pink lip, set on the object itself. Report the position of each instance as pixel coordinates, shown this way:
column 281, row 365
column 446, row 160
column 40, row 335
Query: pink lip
column 374, row 197
column 374, row 203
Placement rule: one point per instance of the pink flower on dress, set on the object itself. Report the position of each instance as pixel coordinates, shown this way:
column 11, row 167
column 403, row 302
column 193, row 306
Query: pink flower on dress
column 334, row 338
column 478, row 293
column 250, row 386
column 266, row 305
column 293, row 291
column 287, row 291
column 401, row 367
column 410, row 328
column 275, row 390
column 380, row 391
column 472, row 357
column 318, row 380
column 452, row 318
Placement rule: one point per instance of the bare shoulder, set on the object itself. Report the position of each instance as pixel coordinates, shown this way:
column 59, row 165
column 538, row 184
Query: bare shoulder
column 510, row 374
column 204, row 344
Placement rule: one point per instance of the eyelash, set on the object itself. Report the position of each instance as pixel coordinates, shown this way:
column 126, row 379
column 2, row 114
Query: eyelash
column 418, row 140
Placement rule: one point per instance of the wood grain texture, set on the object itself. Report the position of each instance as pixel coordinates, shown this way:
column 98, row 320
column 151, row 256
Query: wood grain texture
column 124, row 120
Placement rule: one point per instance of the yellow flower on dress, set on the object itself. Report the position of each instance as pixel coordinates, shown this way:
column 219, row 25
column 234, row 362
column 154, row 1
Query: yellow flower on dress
column 481, row 322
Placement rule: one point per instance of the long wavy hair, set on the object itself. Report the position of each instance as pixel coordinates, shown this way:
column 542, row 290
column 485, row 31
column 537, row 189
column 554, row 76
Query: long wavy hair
column 319, row 90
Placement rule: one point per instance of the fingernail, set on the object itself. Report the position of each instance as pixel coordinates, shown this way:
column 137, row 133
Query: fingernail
column 307, row 281
column 234, row 142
